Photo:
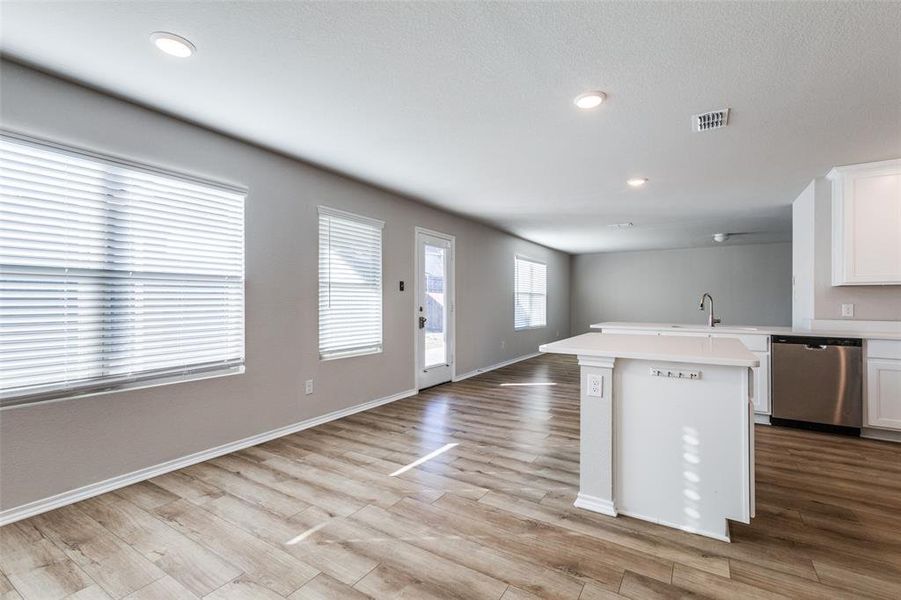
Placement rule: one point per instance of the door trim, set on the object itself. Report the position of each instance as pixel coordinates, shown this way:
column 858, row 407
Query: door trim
column 452, row 276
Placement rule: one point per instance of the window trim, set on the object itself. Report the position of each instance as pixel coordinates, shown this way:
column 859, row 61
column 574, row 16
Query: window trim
column 149, row 380
column 376, row 224
column 526, row 258
column 343, row 214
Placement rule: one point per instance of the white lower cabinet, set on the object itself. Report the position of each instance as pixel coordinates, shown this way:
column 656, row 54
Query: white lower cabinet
column 884, row 393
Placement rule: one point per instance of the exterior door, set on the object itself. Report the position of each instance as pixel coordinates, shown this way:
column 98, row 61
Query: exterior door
column 434, row 317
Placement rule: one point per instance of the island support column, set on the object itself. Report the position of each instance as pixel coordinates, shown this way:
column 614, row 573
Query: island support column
column 596, row 435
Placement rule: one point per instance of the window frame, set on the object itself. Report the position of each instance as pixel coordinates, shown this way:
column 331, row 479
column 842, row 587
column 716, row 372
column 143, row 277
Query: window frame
column 379, row 225
column 525, row 258
column 148, row 380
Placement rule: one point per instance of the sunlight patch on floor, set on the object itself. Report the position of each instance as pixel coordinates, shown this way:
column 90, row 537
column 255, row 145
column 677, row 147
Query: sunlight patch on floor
column 425, row 458
column 305, row 534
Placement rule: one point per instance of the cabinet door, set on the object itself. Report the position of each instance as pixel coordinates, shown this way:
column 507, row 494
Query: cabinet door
column 866, row 228
column 760, row 384
column 884, row 393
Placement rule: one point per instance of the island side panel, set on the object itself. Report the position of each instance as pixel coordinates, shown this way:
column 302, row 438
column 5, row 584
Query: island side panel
column 596, row 436
column 682, row 446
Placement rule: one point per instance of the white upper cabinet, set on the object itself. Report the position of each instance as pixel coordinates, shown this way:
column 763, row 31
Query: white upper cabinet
column 866, row 224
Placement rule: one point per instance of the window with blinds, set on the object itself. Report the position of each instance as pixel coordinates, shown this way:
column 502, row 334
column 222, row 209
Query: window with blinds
column 529, row 293
column 113, row 275
column 350, row 284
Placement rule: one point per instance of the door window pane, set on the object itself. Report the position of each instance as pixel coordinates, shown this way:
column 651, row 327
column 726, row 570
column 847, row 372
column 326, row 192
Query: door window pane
column 435, row 305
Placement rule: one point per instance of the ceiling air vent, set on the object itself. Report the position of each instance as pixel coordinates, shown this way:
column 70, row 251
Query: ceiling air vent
column 711, row 120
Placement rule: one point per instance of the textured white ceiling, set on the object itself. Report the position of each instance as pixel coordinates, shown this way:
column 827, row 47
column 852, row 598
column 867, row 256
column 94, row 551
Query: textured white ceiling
column 468, row 106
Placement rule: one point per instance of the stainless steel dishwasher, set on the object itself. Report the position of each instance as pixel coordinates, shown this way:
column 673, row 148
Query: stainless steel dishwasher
column 817, row 382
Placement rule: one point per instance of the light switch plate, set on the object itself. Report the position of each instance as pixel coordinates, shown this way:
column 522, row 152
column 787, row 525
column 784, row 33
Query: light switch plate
column 847, row 310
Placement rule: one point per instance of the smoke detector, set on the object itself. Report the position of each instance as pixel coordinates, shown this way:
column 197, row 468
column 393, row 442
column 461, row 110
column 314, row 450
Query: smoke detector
column 710, row 120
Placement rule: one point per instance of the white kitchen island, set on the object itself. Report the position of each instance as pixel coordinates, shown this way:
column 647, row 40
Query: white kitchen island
column 666, row 429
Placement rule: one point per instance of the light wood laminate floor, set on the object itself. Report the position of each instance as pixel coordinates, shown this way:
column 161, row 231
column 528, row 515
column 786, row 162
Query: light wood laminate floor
column 333, row 512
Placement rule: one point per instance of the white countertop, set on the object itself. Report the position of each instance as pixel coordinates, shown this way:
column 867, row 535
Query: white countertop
column 746, row 330
column 688, row 349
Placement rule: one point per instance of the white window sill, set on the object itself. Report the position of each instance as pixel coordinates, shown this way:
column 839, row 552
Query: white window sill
column 350, row 354
column 528, row 328
column 13, row 403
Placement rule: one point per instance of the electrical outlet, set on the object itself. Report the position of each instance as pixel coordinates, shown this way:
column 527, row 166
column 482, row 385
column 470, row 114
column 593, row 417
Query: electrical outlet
column 503, row 344
column 595, row 385
column 308, row 387
column 847, row 310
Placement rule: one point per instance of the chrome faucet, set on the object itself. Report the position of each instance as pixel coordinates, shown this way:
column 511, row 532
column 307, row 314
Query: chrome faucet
column 711, row 320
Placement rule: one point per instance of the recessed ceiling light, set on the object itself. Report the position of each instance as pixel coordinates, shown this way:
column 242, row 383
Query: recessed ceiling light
column 172, row 44
column 590, row 100
column 637, row 181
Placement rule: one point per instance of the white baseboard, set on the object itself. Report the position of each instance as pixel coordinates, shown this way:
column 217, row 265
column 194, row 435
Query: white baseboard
column 24, row 511
column 885, row 435
column 595, row 504
column 496, row 366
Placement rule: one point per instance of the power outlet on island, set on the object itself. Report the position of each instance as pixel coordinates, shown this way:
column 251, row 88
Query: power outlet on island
column 595, row 385
column 308, row 387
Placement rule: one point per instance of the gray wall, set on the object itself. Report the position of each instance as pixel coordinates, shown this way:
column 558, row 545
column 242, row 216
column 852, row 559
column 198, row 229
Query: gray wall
column 50, row 448
column 750, row 284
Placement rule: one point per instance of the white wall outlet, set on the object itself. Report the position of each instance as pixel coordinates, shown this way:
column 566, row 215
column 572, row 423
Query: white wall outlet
column 308, row 387
column 847, row 310
column 595, row 385
column 503, row 344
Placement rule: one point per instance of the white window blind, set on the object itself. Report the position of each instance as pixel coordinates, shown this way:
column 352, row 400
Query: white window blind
column 112, row 275
column 529, row 293
column 350, row 284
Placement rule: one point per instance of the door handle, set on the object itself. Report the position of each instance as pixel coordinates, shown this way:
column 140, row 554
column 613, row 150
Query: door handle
column 815, row 347
column 422, row 321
